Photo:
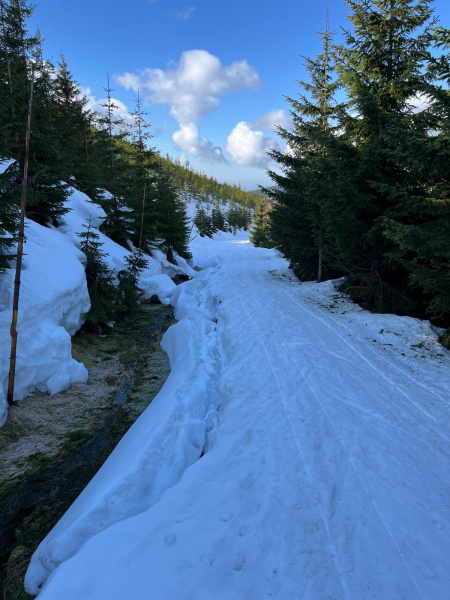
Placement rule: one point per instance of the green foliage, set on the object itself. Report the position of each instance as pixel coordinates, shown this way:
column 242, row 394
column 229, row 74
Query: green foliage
column 171, row 219
column 364, row 188
column 129, row 290
column 304, row 194
column 101, row 288
column 203, row 222
column 260, row 230
column 8, row 214
column 194, row 186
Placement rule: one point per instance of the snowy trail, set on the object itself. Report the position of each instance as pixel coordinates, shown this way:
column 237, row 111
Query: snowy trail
column 326, row 456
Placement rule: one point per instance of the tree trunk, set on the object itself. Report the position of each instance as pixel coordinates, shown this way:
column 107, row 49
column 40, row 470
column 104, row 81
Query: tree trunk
column 23, row 204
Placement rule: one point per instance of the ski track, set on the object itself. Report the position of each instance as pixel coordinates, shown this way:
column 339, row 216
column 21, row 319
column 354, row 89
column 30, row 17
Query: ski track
column 299, row 447
column 324, row 474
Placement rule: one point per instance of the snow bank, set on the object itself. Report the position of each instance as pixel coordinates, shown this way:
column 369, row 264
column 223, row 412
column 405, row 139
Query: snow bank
column 53, row 297
column 167, row 438
column 150, row 281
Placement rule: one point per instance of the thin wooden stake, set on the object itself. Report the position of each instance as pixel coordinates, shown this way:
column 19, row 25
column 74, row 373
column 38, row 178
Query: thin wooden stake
column 142, row 217
column 23, row 205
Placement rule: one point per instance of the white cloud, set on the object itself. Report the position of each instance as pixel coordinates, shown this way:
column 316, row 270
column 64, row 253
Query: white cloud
column 193, row 87
column 183, row 13
column 419, row 102
column 271, row 120
column 249, row 147
column 187, row 138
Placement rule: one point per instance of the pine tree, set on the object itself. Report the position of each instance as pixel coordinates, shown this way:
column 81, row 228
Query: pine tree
column 8, row 215
column 101, row 288
column 47, row 191
column 129, row 290
column 305, row 189
column 260, row 228
column 203, row 222
column 217, row 218
column 118, row 219
column 382, row 68
column 419, row 227
column 73, row 123
column 141, row 192
column 171, row 219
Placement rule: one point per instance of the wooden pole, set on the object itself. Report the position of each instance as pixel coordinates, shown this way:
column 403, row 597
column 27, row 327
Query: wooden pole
column 23, row 204
column 142, row 217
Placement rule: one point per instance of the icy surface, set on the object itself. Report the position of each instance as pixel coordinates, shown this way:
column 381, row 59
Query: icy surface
column 299, row 449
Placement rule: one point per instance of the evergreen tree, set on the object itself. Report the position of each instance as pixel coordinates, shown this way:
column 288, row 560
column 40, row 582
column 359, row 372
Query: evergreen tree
column 419, row 227
column 217, row 218
column 47, row 192
column 203, row 222
column 101, row 288
column 129, row 290
column 73, row 124
column 260, row 229
column 171, row 219
column 8, row 215
column 384, row 65
column 111, row 139
column 143, row 177
column 305, row 189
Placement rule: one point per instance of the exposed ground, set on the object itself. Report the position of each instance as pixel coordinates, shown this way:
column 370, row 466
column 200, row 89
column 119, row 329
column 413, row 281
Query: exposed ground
column 51, row 447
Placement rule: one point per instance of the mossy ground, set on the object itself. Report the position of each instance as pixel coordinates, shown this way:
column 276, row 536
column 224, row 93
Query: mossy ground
column 51, row 447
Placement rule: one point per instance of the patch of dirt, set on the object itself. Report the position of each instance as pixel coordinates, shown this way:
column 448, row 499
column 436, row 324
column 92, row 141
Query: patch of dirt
column 51, row 447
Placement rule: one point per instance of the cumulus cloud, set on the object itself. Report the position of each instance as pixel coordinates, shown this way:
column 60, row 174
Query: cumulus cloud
column 187, row 138
column 271, row 120
column 192, row 87
column 419, row 102
column 183, row 13
column 249, row 147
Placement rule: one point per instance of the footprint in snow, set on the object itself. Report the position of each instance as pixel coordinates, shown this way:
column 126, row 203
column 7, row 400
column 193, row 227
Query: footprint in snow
column 226, row 516
column 170, row 539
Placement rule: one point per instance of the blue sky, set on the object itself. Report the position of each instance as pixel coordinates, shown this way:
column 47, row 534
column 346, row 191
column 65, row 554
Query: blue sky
column 213, row 74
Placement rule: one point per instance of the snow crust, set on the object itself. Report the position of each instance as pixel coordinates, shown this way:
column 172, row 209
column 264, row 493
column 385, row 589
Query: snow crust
column 54, row 297
column 299, row 449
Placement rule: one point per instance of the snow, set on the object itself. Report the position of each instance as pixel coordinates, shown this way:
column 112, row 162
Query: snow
column 54, row 297
column 299, row 449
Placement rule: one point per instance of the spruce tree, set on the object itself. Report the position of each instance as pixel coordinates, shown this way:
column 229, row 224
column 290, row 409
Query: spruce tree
column 305, row 188
column 101, row 288
column 382, row 68
column 260, row 228
column 129, row 290
column 111, row 138
column 203, row 222
column 419, row 227
column 171, row 219
column 140, row 195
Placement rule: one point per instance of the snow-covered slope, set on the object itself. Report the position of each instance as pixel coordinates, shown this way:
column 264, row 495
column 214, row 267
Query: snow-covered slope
column 299, row 449
column 54, row 296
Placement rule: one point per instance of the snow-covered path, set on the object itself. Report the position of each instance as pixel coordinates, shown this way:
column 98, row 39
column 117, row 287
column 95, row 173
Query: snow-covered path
column 325, row 473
